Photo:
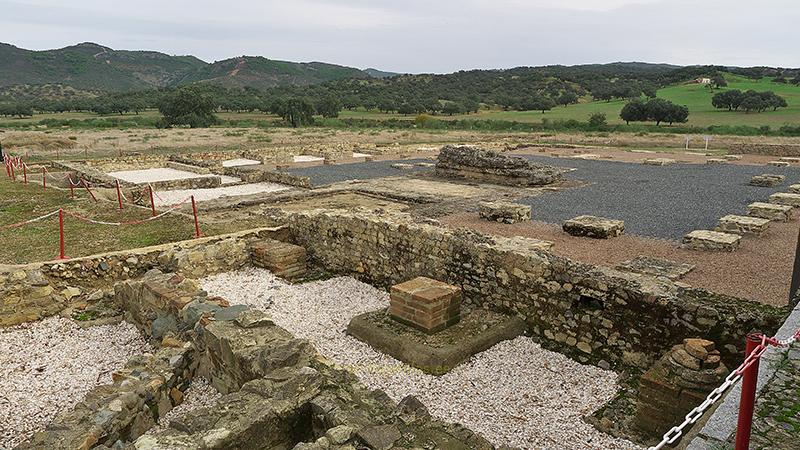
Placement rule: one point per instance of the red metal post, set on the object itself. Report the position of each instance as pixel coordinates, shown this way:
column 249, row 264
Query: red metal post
column 197, row 232
column 25, row 173
column 13, row 174
column 86, row 185
column 152, row 202
column 119, row 196
column 748, row 398
column 44, row 178
column 71, row 188
column 61, row 234
column 8, row 169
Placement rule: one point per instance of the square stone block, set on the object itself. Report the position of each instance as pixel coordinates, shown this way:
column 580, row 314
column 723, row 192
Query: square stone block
column 716, row 161
column 711, row 240
column 767, row 180
column 778, row 163
column 783, row 198
column 594, row 227
column 282, row 259
column 658, row 161
column 426, row 304
column 504, row 212
column 771, row 211
column 656, row 267
column 733, row 157
column 794, row 189
column 742, row 225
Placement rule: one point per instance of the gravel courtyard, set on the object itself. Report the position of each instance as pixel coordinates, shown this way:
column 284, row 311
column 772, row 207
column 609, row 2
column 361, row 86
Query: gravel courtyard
column 47, row 367
column 656, row 201
column 514, row 394
column 335, row 173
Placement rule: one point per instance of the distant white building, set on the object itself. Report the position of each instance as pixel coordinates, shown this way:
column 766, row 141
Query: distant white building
column 703, row 80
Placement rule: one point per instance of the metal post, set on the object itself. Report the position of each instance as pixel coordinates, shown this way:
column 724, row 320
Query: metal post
column 61, row 234
column 25, row 173
column 86, row 185
column 44, row 178
column 13, row 174
column 152, row 202
column 119, row 196
column 748, row 398
column 197, row 232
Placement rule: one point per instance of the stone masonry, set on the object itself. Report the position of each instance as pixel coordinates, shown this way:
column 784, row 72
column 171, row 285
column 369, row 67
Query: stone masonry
column 767, row 180
column 742, row 225
column 594, row 227
column 711, row 240
column 284, row 260
column 782, row 198
column 771, row 211
column 504, row 212
column 490, row 167
column 425, row 304
column 678, row 382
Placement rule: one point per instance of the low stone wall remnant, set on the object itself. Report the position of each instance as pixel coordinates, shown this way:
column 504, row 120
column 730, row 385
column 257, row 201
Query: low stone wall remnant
column 489, row 167
column 766, row 149
column 504, row 212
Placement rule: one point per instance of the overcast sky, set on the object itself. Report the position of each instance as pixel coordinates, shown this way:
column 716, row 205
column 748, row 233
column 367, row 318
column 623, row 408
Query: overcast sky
column 423, row 35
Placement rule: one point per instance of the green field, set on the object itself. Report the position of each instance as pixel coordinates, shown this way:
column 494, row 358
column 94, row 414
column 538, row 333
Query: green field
column 696, row 97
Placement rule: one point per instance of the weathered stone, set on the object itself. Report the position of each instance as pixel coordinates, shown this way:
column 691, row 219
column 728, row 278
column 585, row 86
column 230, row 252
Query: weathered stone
column 282, row 259
column 742, row 225
column 402, row 166
column 767, row 180
column 426, row 304
column 794, row 188
column 782, row 198
column 699, row 348
column 379, row 437
column 711, row 240
column 778, row 163
column 594, row 227
column 659, row 161
column 716, row 161
column 789, row 159
column 771, row 211
column 656, row 267
column 490, row 167
column 733, row 157
column 504, row 212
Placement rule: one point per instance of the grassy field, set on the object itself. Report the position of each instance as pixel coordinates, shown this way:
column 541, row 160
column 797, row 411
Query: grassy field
column 39, row 241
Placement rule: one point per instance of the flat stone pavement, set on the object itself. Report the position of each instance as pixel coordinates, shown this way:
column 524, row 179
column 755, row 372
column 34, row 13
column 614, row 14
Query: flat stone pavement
column 335, row 173
column 656, row 201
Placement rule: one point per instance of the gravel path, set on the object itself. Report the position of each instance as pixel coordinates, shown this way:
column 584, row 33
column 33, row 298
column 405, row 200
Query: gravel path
column 335, row 173
column 157, row 174
column 657, row 201
column 515, row 394
column 47, row 367
column 172, row 197
column 199, row 394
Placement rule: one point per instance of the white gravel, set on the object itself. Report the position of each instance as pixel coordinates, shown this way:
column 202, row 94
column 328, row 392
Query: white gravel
column 516, row 393
column 199, row 394
column 307, row 158
column 173, row 197
column 49, row 366
column 157, row 174
column 240, row 162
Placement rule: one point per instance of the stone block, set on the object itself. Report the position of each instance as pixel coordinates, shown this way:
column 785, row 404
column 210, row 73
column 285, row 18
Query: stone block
column 656, row 267
column 742, row 225
column 284, row 260
column 505, row 212
column 658, row 161
column 778, row 164
column 594, row 227
column 491, row 167
column 711, row 240
column 402, row 166
column 716, row 161
column 767, row 180
column 794, row 189
column 783, row 198
column 733, row 157
column 771, row 211
column 789, row 159
column 426, row 304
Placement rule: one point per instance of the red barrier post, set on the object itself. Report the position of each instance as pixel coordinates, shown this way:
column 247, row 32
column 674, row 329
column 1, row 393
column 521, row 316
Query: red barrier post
column 61, row 234
column 71, row 187
column 747, row 400
column 86, row 185
column 8, row 169
column 44, row 178
column 152, row 202
column 13, row 174
column 197, row 232
column 25, row 173
column 119, row 196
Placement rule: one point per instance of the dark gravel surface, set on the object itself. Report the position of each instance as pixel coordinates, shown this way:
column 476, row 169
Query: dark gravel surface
column 327, row 174
column 657, row 201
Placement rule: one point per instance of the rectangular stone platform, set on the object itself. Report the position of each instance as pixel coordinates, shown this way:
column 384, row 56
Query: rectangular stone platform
column 742, row 225
column 733, row 157
column 594, row 227
column 794, row 189
column 778, row 164
column 716, row 161
column 426, row 304
column 441, row 352
column 789, row 159
column 784, row 198
column 490, row 167
column 282, row 259
column 711, row 240
column 656, row 267
column 504, row 212
column 771, row 211
column 658, row 161
column 767, row 180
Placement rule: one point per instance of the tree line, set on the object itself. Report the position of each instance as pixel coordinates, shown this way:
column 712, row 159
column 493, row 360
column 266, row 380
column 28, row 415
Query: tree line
column 734, row 100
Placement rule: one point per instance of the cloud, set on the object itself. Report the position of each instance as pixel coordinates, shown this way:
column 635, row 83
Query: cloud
column 422, row 36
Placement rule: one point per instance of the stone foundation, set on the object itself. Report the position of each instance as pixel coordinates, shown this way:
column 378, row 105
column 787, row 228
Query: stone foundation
column 594, row 227
column 504, row 212
column 767, row 180
column 766, row 149
column 659, row 161
column 742, row 225
column 716, row 161
column 782, row 198
column 771, row 211
column 794, row 189
column 778, row 164
column 711, row 240
column 656, row 267
column 425, row 304
column 282, row 259
column 489, row 167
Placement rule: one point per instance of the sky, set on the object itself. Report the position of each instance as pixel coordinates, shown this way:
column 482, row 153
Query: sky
column 417, row 36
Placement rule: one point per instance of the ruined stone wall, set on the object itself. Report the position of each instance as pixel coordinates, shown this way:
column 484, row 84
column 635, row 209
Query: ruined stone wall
column 592, row 313
column 34, row 291
column 134, row 162
column 90, row 174
column 269, row 176
column 765, row 149
column 486, row 166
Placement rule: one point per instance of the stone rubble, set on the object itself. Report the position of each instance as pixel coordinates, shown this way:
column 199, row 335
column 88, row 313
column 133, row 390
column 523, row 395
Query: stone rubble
column 504, row 212
column 199, row 394
column 515, row 394
column 47, row 367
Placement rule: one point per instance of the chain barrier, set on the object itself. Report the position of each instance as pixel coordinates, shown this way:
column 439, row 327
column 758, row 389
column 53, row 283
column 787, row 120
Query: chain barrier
column 671, row 436
column 26, row 222
column 134, row 222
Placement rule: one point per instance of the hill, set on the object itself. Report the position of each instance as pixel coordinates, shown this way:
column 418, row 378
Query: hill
column 375, row 73
column 94, row 67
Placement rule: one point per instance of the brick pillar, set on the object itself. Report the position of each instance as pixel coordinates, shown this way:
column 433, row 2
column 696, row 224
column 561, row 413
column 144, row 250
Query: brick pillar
column 678, row 382
column 425, row 304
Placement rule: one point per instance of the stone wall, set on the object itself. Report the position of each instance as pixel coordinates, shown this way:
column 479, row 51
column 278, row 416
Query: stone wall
column 490, row 167
column 765, row 149
column 90, row 174
column 592, row 313
column 34, row 291
column 261, row 175
column 133, row 162
column 188, row 167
